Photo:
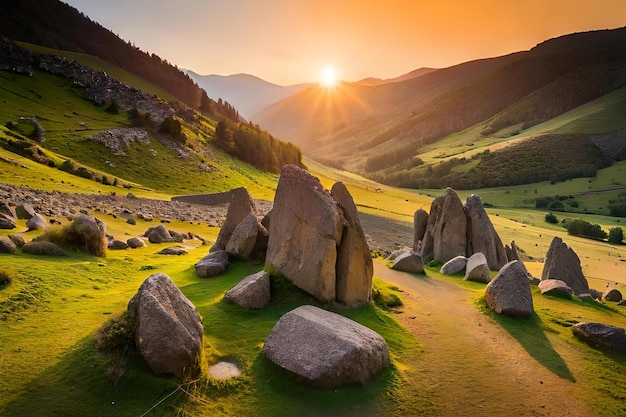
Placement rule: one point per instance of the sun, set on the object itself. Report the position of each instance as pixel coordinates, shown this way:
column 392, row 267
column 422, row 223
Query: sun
column 328, row 77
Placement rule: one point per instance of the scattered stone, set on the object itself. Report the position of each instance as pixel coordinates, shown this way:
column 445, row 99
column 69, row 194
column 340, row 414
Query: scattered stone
column 420, row 220
column 17, row 239
column 354, row 268
column 251, row 292
column 116, row 244
column 613, row 295
column 482, row 236
column 7, row 245
column 7, row 222
column 477, row 269
column 24, row 211
column 173, row 250
column 213, row 264
column 445, row 235
column 168, row 328
column 177, row 237
column 562, row 263
column 454, row 265
column 136, row 242
column 408, row 261
column 305, row 230
column 555, row 287
column 326, row 349
column 509, row 292
column 601, row 335
column 622, row 303
column 158, row 234
column 36, row 222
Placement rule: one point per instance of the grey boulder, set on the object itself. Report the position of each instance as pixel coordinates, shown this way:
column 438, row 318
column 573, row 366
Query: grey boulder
column 477, row 269
column 213, row 264
column 555, row 287
column 509, row 293
column 454, row 265
column 251, row 292
column 408, row 261
column 601, row 335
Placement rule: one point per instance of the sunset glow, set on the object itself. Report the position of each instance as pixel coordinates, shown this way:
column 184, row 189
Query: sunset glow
column 328, row 77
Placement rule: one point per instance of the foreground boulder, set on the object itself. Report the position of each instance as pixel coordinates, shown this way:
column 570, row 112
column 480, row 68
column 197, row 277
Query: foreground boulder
column 251, row 292
column 509, row 292
column 563, row 263
column 555, row 287
column 477, row 269
column 408, row 261
column 482, row 236
column 168, row 329
column 601, row 335
column 326, row 349
column 213, row 264
column 454, row 265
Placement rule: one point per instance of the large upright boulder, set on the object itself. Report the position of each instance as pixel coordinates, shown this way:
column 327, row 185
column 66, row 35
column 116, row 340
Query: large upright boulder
column 168, row 329
column 563, row 263
column 509, row 292
column 420, row 220
column 481, row 235
column 445, row 235
column 354, row 260
column 326, row 349
column 306, row 227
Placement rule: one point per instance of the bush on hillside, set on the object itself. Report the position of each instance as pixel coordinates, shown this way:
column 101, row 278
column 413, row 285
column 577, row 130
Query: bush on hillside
column 580, row 227
column 116, row 339
column 551, row 218
column 616, row 235
column 85, row 233
column 5, row 279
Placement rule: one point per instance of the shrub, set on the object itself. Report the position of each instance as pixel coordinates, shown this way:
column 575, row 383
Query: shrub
column 5, row 279
column 616, row 235
column 116, row 334
column 551, row 218
column 384, row 297
column 42, row 247
column 85, row 233
column 580, row 227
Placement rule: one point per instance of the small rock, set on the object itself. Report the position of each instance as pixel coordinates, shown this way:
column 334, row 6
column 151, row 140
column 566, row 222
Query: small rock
column 251, row 292
column 555, row 287
column 454, row 265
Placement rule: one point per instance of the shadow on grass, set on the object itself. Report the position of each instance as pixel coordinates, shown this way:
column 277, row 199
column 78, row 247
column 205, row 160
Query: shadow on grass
column 530, row 334
column 79, row 384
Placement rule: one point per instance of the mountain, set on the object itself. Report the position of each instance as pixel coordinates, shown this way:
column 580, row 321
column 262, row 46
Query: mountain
column 247, row 93
column 377, row 81
column 398, row 132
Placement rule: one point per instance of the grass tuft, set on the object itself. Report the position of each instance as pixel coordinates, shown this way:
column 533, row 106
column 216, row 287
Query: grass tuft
column 5, row 279
column 84, row 233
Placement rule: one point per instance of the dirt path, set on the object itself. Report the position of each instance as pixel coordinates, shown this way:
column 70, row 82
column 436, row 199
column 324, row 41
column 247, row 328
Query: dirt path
column 471, row 364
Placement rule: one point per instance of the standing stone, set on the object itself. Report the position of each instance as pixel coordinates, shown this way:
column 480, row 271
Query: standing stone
column 168, row 329
column 477, row 269
column 241, row 205
column 251, row 292
column 509, row 292
column 563, row 263
column 326, row 349
column 445, row 235
column 305, row 230
column 481, row 235
column 420, row 220
column 355, row 268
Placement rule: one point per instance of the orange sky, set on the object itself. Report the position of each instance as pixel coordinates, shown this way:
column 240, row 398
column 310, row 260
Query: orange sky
column 291, row 41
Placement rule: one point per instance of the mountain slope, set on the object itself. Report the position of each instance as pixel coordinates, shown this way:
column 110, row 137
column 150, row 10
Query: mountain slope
column 247, row 93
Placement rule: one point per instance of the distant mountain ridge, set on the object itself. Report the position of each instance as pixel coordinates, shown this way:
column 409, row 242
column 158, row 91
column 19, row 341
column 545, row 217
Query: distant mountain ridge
column 247, row 93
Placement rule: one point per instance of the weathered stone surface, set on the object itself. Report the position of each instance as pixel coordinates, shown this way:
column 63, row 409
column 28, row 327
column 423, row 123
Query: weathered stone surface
column 354, row 268
column 445, row 235
column 601, row 335
column 241, row 205
column 555, row 287
column 251, row 292
column 248, row 240
column 136, row 242
column 420, row 220
column 305, row 229
column 509, row 292
column 477, row 269
column 454, row 265
column 326, row 349
column 36, row 222
column 481, row 235
column 213, row 264
column 24, row 211
column 18, row 239
column 562, row 263
column 168, row 329
column 408, row 261
column 158, row 234
column 117, row 244
column 613, row 295
column 173, row 250
column 7, row 245
column 7, row 222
